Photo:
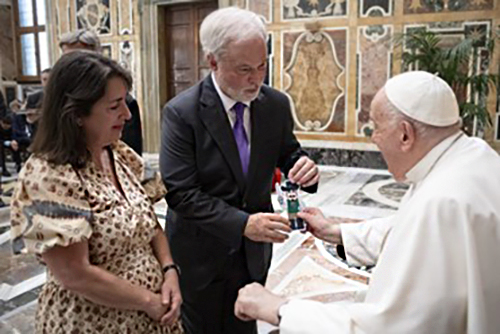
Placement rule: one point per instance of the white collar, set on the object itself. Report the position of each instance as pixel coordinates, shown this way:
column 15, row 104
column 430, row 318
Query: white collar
column 418, row 172
column 227, row 102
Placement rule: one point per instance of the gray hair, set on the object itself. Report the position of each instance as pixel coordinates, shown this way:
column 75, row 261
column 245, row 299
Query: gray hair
column 422, row 130
column 87, row 37
column 227, row 25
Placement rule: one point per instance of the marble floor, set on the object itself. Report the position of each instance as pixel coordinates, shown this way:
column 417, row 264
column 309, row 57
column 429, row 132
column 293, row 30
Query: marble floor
column 302, row 266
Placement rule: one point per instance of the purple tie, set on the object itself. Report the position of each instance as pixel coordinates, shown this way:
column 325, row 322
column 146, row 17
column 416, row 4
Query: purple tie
column 241, row 137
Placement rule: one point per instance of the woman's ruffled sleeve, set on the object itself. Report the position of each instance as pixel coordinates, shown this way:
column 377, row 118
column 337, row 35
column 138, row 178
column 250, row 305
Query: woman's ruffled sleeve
column 49, row 208
column 150, row 179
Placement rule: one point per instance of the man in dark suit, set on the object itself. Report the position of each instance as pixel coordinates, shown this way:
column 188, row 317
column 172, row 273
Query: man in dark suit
column 221, row 141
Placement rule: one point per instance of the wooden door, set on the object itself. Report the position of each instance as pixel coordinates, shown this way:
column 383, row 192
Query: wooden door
column 184, row 60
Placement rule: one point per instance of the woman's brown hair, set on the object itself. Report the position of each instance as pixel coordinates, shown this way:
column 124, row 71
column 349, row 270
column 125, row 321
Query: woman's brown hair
column 77, row 81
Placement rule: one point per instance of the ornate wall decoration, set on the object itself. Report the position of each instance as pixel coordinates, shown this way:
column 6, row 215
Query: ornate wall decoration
column 452, row 33
column 126, row 59
column 306, row 9
column 433, row 6
column 263, row 8
column 94, row 15
column 7, row 59
column 107, row 50
column 63, row 18
column 314, row 77
column 374, row 61
column 375, row 8
column 125, row 17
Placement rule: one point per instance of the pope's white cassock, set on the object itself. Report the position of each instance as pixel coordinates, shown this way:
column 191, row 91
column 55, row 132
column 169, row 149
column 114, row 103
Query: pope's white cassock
column 438, row 269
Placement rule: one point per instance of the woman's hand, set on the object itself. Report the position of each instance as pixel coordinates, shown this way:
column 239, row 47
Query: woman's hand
column 155, row 308
column 171, row 297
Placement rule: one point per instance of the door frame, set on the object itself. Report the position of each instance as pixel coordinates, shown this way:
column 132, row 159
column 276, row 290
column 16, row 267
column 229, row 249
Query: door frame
column 149, row 13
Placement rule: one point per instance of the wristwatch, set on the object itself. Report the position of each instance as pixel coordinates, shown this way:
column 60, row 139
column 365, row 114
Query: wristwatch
column 172, row 266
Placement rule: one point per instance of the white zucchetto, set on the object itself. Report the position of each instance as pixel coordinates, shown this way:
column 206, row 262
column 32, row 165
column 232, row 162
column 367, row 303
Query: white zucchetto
column 424, row 97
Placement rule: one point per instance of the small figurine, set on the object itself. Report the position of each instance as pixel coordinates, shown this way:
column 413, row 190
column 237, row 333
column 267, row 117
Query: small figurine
column 293, row 206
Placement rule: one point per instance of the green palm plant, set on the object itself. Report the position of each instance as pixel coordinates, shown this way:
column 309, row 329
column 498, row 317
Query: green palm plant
column 426, row 51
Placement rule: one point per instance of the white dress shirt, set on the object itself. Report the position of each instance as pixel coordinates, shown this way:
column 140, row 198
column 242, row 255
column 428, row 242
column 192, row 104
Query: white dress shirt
column 228, row 104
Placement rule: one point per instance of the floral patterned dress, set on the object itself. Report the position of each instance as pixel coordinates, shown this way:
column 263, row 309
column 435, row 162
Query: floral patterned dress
column 58, row 205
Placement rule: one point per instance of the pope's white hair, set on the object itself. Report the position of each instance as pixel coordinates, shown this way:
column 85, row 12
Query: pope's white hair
column 228, row 25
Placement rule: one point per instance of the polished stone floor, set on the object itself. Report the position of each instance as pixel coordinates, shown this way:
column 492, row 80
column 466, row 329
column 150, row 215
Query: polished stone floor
column 302, row 267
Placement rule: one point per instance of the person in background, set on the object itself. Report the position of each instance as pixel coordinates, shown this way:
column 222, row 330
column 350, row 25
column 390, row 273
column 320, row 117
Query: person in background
column 6, row 137
column 436, row 256
column 24, row 127
column 44, row 77
column 84, row 39
column 83, row 203
column 3, row 107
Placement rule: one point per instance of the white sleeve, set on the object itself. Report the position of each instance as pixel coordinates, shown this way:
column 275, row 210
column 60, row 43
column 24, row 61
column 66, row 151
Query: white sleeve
column 307, row 317
column 363, row 242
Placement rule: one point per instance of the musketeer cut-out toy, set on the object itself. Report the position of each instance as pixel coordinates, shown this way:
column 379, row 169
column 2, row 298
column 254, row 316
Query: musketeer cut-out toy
column 290, row 190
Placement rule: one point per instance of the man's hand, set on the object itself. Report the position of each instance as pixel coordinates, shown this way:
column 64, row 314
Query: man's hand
column 320, row 226
column 267, row 227
column 304, row 173
column 171, row 297
column 14, row 145
column 256, row 303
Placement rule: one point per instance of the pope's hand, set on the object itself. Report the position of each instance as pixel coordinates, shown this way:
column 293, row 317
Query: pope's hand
column 267, row 227
column 320, row 226
column 304, row 173
column 256, row 303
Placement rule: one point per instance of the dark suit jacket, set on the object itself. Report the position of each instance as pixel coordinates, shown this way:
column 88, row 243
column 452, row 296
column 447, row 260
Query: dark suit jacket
column 22, row 131
column 208, row 196
column 132, row 131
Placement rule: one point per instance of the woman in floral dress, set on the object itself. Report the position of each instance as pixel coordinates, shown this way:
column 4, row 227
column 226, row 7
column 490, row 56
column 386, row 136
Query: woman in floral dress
column 84, row 205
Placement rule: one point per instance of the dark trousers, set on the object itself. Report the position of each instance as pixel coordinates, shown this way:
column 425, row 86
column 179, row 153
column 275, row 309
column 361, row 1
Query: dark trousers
column 211, row 310
column 16, row 156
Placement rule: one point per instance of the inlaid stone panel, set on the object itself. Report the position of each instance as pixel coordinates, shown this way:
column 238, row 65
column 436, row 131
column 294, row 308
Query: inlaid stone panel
column 374, row 61
column 314, row 77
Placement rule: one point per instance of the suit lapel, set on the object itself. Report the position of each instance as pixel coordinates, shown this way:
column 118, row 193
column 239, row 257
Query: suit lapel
column 214, row 117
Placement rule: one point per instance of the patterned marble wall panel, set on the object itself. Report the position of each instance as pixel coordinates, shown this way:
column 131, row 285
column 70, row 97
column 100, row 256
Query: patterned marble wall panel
column 8, row 62
column 454, row 32
column 63, row 17
column 314, row 77
column 437, row 6
column 107, row 50
column 238, row 3
column 95, row 15
column 374, row 62
column 374, row 8
column 263, row 8
column 125, row 17
column 307, row 9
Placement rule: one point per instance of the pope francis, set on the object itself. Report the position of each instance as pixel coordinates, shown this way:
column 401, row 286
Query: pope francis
column 437, row 269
